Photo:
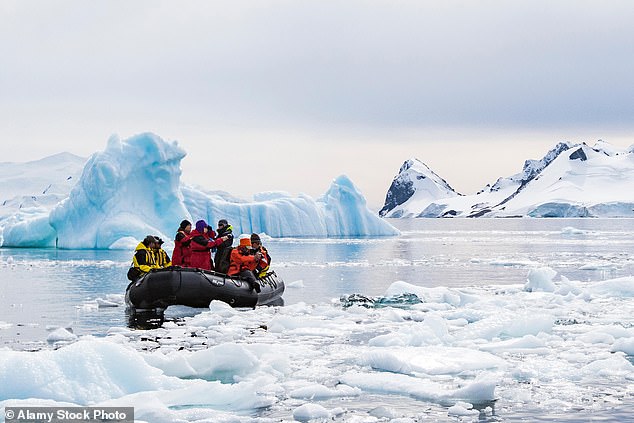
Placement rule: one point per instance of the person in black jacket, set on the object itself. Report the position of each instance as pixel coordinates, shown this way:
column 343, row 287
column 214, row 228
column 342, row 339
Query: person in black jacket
column 223, row 251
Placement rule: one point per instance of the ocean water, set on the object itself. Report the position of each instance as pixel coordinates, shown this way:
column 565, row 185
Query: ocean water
column 434, row 325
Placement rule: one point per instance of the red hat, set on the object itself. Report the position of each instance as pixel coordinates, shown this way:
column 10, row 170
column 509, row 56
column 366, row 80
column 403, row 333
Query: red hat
column 245, row 242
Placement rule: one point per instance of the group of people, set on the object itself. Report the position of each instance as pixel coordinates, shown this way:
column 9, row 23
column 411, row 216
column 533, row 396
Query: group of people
column 148, row 255
column 193, row 248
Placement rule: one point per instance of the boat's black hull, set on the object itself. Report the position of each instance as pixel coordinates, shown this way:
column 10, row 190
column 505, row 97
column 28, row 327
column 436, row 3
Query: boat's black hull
column 197, row 288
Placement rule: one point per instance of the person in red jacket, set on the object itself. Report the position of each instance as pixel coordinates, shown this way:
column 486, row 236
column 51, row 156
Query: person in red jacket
column 243, row 263
column 181, row 256
column 201, row 244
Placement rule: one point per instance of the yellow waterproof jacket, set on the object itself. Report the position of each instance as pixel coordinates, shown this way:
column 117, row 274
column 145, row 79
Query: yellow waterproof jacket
column 143, row 259
column 161, row 259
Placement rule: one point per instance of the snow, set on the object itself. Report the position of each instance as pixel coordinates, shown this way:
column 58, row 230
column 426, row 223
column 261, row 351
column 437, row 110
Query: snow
column 459, row 348
column 133, row 188
column 414, row 177
column 572, row 180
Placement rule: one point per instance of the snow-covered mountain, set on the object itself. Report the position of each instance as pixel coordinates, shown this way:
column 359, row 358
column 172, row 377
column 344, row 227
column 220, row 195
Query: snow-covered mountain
column 571, row 180
column 415, row 186
column 133, row 188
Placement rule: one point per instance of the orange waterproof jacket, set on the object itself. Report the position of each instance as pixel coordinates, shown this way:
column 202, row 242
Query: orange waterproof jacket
column 241, row 259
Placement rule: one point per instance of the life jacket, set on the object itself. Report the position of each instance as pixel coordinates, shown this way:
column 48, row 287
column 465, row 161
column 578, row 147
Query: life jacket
column 262, row 268
column 226, row 231
column 182, row 249
column 142, row 262
column 161, row 258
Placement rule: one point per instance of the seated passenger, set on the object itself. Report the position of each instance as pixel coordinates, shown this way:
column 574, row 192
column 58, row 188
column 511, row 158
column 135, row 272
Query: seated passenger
column 143, row 259
column 161, row 258
column 243, row 263
column 261, row 269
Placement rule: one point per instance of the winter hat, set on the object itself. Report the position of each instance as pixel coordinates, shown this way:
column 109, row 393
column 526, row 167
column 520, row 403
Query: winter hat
column 201, row 225
column 245, row 242
column 255, row 238
column 223, row 222
column 185, row 223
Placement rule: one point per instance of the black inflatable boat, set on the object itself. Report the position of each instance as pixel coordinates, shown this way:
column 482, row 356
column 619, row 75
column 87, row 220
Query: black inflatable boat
column 197, row 288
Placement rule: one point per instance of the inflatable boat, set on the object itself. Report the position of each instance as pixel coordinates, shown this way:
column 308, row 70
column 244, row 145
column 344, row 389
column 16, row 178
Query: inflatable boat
column 197, row 288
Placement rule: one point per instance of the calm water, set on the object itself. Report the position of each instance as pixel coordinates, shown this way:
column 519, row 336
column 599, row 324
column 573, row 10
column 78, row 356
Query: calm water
column 42, row 288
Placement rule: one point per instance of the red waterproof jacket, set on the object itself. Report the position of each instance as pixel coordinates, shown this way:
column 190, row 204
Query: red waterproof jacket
column 182, row 249
column 201, row 247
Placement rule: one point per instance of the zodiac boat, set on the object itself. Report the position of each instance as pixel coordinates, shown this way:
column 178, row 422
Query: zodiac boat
column 161, row 288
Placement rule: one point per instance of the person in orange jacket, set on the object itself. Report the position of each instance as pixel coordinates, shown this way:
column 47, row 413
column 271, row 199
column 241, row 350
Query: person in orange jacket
column 243, row 263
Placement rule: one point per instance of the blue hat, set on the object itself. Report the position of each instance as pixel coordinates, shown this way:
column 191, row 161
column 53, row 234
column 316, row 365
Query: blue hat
column 201, row 225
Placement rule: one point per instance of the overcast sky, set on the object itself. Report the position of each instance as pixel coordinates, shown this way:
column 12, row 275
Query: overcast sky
column 287, row 95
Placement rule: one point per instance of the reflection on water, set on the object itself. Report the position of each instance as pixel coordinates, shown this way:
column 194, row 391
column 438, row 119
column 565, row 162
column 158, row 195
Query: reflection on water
column 145, row 319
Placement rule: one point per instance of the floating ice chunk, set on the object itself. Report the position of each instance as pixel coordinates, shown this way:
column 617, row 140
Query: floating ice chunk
column 481, row 389
column 382, row 412
column 5, row 325
column 569, row 230
column 462, row 409
column 223, row 362
column 429, row 295
column 529, row 344
column 541, row 279
column 61, row 334
column 620, row 287
column 308, row 412
column 613, row 367
column 430, row 360
column 221, row 308
column 597, row 266
column 103, row 303
column 625, row 345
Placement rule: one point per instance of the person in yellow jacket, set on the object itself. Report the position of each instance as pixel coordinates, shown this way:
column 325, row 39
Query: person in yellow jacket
column 161, row 259
column 143, row 259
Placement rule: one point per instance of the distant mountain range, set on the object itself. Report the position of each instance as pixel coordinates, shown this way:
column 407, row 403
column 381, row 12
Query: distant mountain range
column 571, row 180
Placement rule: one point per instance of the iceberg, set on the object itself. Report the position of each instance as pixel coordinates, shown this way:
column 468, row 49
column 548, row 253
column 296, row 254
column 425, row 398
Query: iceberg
column 133, row 188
